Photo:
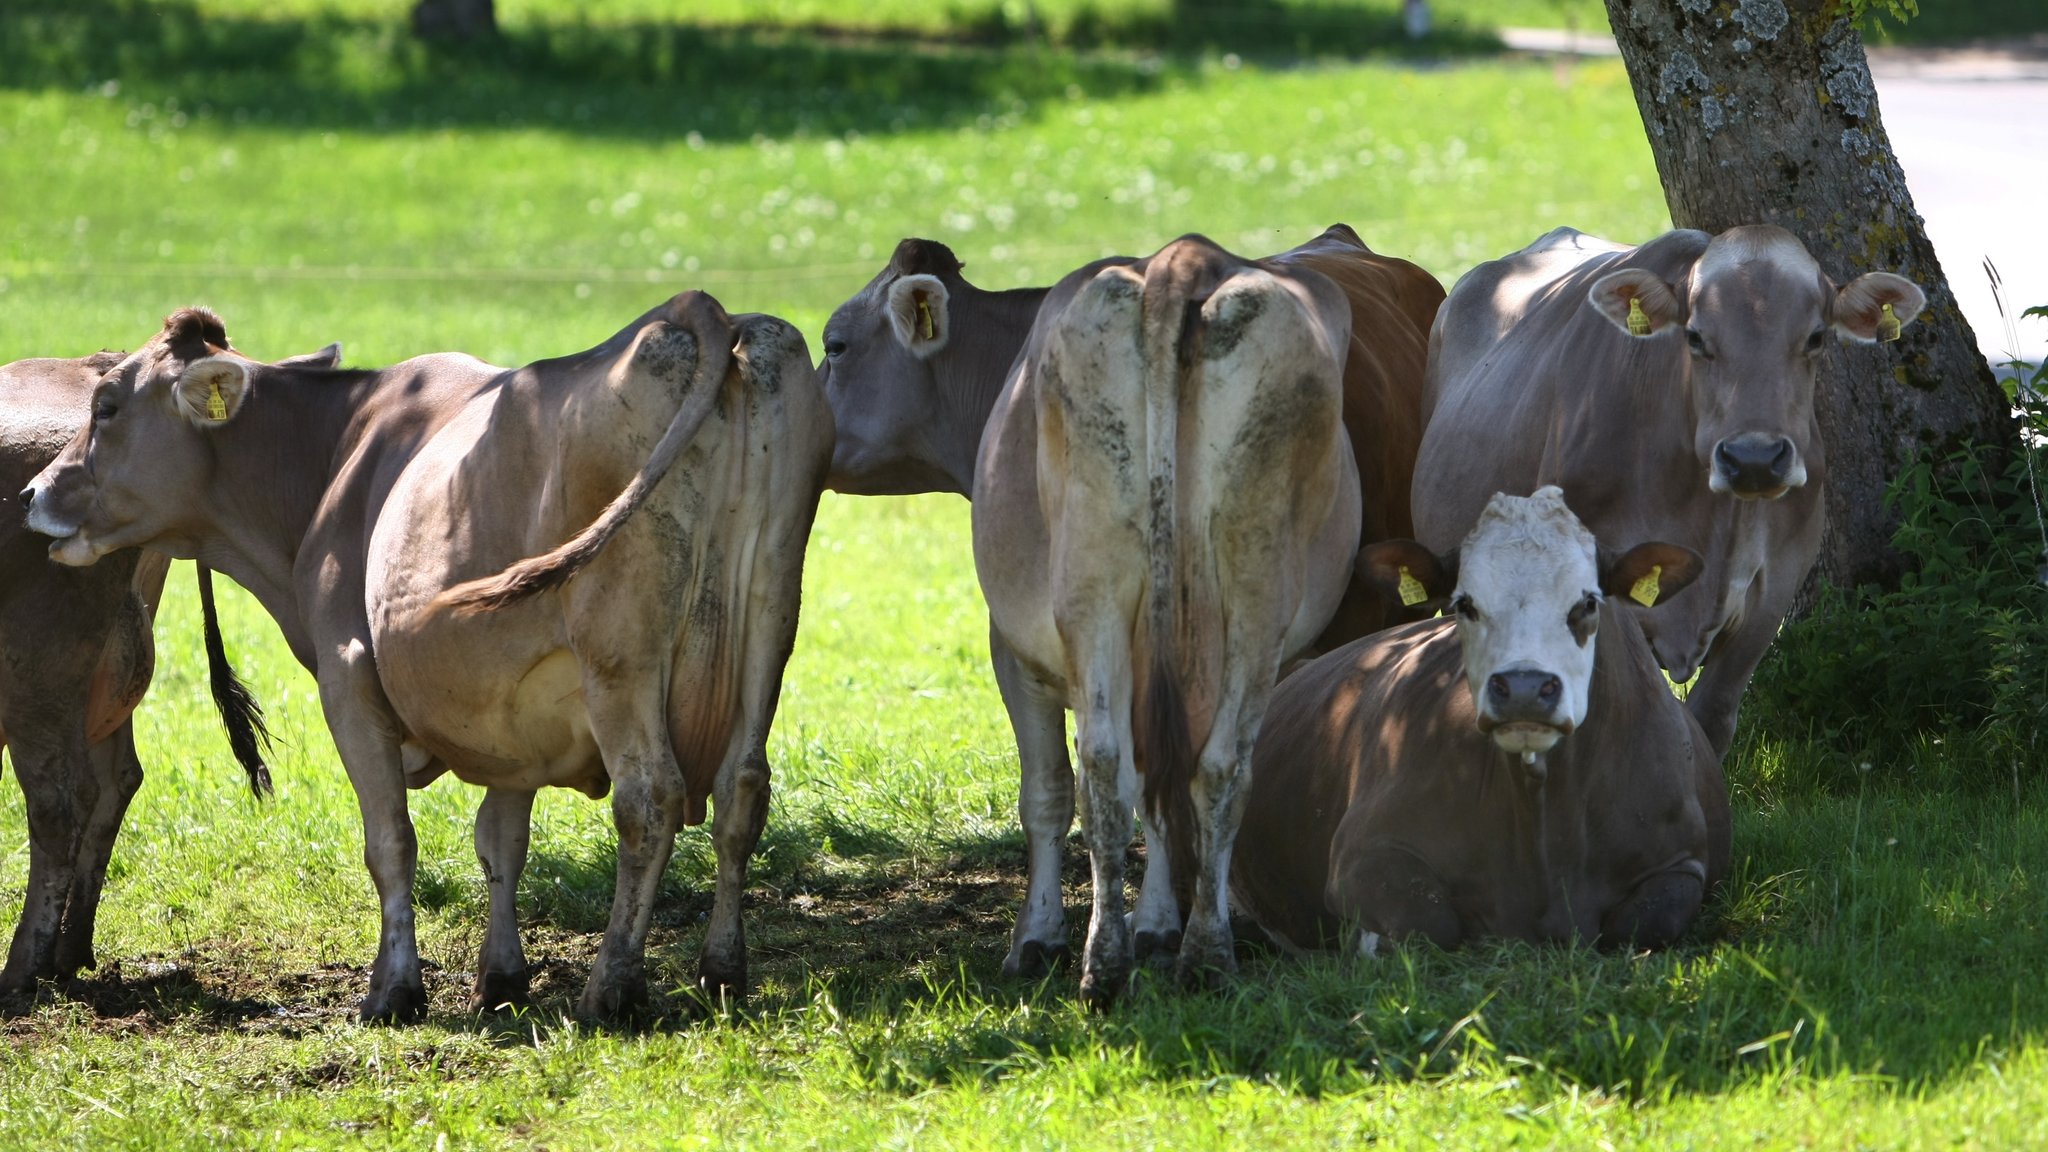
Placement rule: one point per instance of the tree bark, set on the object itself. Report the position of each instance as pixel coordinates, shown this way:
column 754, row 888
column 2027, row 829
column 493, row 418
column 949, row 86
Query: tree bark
column 454, row 19
column 1763, row 111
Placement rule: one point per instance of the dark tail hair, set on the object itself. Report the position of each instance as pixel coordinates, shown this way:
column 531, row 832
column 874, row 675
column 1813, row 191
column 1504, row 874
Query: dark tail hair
column 540, row 573
column 1169, row 769
column 239, row 712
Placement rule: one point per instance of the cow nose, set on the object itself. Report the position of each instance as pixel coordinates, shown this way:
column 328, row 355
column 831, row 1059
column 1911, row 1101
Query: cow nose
column 1754, row 465
column 1524, row 694
column 28, row 497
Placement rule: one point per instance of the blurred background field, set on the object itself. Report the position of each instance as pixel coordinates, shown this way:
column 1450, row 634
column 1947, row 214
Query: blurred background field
column 315, row 173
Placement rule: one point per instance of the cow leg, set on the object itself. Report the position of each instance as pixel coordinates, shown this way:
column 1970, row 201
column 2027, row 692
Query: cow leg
column 1717, row 694
column 648, row 797
column 1111, row 780
column 1658, row 911
column 1391, row 894
column 504, row 825
column 366, row 735
column 1155, row 927
column 118, row 773
column 739, row 812
column 1219, row 789
column 1045, row 807
column 58, row 792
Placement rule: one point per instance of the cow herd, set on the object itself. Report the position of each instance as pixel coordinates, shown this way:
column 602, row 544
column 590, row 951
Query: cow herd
column 1217, row 505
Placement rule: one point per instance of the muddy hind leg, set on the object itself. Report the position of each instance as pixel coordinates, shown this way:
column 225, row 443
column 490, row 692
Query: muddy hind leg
column 1045, row 807
column 118, row 772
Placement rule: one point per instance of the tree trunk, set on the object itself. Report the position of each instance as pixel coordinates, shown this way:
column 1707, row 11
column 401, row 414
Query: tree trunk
column 1763, row 111
column 454, row 19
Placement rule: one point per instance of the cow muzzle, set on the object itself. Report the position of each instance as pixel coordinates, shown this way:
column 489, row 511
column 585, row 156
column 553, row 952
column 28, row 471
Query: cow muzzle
column 68, row 544
column 1756, row 466
column 1524, row 711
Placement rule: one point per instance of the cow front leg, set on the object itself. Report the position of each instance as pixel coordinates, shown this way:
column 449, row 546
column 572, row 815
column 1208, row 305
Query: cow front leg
column 739, row 813
column 1658, row 910
column 1045, row 807
column 366, row 734
column 58, row 791
column 118, row 772
column 504, row 827
column 647, row 806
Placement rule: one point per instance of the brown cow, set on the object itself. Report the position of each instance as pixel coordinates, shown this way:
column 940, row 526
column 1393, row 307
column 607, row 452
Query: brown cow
column 76, row 654
column 373, row 512
column 1668, row 389
column 913, row 366
column 1518, row 769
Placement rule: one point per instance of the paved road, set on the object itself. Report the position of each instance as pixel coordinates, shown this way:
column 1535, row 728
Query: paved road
column 1971, row 130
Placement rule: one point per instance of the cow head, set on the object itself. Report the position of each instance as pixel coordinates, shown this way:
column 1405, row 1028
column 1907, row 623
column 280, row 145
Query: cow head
column 1755, row 314
column 1527, row 588
column 878, row 376
column 146, row 438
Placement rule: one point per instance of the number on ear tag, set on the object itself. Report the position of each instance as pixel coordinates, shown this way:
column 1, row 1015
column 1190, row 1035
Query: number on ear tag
column 926, row 329
column 1888, row 325
column 216, row 404
column 1412, row 591
column 1647, row 589
column 1638, row 321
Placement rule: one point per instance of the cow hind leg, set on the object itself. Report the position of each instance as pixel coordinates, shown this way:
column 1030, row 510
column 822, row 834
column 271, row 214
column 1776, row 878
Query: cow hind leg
column 1156, row 925
column 647, row 806
column 1656, row 913
column 504, row 827
column 1207, row 950
column 1045, row 807
column 118, row 772
column 739, row 813
column 1111, row 781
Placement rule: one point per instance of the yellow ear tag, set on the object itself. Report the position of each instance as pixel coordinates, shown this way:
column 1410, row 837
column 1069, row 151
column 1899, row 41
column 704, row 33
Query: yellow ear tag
column 1646, row 590
column 1888, row 325
column 926, row 329
column 1412, row 591
column 216, row 404
column 1638, row 322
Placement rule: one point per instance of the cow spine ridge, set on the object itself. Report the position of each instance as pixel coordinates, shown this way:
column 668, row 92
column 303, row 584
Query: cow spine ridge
column 552, row 569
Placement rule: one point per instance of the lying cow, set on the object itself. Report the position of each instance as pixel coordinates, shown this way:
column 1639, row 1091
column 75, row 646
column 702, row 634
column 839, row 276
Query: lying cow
column 372, row 511
column 1669, row 389
column 76, row 656
column 1517, row 769
column 1165, row 508
column 913, row 367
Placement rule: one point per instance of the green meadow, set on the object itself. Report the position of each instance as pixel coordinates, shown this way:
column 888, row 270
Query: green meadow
column 1869, row 979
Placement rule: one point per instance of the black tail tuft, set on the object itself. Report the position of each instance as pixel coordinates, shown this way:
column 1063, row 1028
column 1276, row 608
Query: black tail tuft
column 239, row 712
column 1169, row 763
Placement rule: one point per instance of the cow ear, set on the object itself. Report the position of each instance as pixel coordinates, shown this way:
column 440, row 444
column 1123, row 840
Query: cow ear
column 209, row 392
column 328, row 357
column 1406, row 571
column 917, row 314
column 1649, row 574
column 1637, row 302
column 1875, row 306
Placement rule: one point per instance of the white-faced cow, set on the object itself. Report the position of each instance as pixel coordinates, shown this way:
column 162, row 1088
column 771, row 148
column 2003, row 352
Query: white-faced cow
column 1165, row 509
column 914, row 365
column 1519, row 769
column 1669, row 390
column 373, row 513
column 76, row 656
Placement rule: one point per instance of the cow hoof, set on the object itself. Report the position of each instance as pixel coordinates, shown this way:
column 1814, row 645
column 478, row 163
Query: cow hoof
column 620, row 1000
column 1099, row 990
column 1156, row 949
column 499, row 991
column 405, row 1004
column 722, row 983
column 1034, row 960
column 1209, row 973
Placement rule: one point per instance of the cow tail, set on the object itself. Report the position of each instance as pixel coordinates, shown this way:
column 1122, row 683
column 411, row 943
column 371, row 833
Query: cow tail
column 552, row 569
column 240, row 714
column 1166, row 746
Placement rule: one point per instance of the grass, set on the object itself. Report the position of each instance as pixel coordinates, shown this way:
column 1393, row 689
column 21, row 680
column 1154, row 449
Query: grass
column 1868, row 979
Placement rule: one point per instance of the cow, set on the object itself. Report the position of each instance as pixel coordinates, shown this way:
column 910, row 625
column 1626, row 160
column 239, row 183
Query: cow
column 76, row 657
column 913, row 367
column 1669, row 390
column 390, row 522
column 1165, row 509
column 1518, row 768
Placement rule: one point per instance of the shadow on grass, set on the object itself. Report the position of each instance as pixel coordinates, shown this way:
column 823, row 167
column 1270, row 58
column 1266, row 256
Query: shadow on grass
column 656, row 81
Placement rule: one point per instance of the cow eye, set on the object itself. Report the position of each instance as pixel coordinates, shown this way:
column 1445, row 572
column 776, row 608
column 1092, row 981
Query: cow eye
column 834, row 347
column 103, row 410
column 1813, row 342
column 1462, row 605
column 1697, row 343
column 1584, row 618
